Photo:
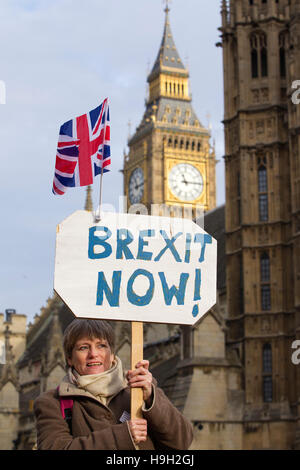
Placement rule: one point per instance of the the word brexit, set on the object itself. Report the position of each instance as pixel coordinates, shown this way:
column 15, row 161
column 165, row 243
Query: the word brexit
column 102, row 245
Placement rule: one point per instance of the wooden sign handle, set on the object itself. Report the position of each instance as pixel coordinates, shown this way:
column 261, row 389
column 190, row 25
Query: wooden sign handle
column 136, row 356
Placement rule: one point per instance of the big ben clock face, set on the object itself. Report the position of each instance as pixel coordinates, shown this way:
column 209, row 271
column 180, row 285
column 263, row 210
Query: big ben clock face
column 136, row 186
column 185, row 182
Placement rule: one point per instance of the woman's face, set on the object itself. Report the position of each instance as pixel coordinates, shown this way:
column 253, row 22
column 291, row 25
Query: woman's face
column 91, row 356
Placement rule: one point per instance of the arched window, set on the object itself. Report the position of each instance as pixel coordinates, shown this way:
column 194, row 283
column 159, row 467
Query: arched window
column 187, row 145
column 263, row 55
column 254, row 57
column 263, row 194
column 170, row 142
column 265, row 297
column 258, row 47
column 264, row 62
column 199, row 146
column 193, row 145
column 267, row 382
column 282, row 61
column 267, row 358
column 175, row 143
column 265, row 286
column 262, row 179
column 265, row 268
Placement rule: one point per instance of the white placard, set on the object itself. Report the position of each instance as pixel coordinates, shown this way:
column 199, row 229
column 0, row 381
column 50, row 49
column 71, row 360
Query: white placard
column 135, row 268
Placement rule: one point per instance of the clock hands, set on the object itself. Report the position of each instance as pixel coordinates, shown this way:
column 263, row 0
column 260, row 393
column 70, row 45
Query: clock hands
column 137, row 184
column 184, row 180
column 190, row 182
column 193, row 182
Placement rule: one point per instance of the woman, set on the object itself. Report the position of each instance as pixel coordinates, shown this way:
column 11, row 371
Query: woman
column 100, row 416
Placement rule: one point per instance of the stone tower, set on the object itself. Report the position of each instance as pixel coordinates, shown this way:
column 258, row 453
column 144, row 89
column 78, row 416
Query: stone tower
column 12, row 340
column 170, row 160
column 261, row 56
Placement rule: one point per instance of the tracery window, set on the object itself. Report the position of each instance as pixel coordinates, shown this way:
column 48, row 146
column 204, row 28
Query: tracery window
column 267, row 382
column 282, row 59
column 265, row 286
column 259, row 55
column 263, row 208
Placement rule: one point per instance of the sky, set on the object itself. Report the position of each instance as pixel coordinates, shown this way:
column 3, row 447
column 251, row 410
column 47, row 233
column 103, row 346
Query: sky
column 60, row 59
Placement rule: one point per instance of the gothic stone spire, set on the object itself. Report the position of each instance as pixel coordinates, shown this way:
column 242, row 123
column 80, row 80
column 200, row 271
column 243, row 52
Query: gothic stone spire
column 167, row 56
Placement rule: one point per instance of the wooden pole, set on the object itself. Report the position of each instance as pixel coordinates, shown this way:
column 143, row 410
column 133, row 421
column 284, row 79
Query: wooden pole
column 136, row 356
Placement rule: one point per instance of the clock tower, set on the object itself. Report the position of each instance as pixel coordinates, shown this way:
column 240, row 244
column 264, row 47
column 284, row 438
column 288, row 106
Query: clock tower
column 170, row 166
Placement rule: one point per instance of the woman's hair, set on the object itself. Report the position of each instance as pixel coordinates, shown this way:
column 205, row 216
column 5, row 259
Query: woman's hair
column 91, row 329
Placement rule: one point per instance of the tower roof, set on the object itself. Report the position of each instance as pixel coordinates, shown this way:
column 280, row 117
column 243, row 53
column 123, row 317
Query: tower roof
column 167, row 56
column 169, row 104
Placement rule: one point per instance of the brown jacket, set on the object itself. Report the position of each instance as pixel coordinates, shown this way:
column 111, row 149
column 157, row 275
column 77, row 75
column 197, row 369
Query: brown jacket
column 97, row 427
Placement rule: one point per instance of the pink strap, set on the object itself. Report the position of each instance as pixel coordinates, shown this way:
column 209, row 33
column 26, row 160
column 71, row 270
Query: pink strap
column 64, row 404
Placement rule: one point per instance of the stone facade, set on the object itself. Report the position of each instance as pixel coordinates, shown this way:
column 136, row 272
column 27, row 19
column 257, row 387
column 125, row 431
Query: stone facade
column 260, row 43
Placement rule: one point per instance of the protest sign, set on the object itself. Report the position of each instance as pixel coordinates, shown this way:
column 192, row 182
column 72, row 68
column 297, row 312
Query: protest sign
column 135, row 268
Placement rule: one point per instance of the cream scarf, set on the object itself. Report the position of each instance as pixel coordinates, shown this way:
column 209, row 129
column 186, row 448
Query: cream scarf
column 103, row 386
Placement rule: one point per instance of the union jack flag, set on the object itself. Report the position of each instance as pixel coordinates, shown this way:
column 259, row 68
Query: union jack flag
column 83, row 148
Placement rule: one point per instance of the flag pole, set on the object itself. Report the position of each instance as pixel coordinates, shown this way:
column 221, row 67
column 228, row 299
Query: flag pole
column 98, row 216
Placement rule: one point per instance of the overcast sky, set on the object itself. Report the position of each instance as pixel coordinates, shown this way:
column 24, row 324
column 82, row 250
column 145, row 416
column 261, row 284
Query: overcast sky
column 60, row 59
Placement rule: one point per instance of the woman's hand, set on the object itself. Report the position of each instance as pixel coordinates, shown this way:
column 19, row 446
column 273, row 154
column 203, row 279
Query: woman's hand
column 138, row 429
column 141, row 377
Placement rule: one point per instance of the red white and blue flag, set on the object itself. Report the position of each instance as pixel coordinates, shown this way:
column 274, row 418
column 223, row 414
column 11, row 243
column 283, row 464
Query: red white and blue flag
column 83, row 148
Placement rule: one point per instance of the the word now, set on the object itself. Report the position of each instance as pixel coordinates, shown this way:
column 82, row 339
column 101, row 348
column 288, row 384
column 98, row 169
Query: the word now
column 124, row 238
column 169, row 292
